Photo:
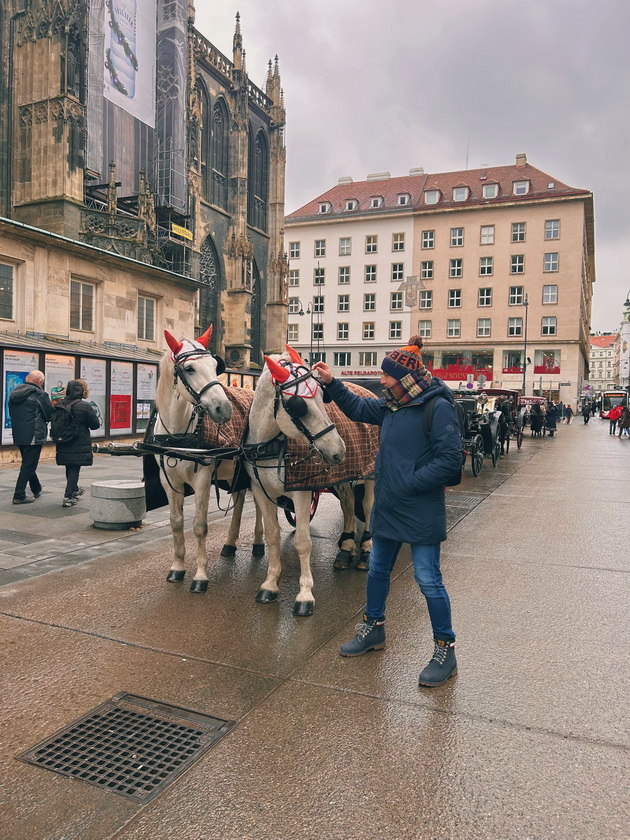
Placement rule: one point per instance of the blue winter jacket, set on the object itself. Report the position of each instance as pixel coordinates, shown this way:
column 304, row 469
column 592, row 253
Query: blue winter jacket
column 411, row 468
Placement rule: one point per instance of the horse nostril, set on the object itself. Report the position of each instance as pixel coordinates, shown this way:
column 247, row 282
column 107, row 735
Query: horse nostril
column 337, row 459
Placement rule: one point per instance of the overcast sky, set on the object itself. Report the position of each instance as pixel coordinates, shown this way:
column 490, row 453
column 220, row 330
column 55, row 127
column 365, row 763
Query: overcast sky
column 373, row 85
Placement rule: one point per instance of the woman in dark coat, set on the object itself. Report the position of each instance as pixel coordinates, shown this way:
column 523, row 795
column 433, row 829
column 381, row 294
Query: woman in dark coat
column 77, row 452
column 551, row 417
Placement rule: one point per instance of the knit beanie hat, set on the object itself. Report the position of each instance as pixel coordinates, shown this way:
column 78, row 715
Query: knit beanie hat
column 407, row 360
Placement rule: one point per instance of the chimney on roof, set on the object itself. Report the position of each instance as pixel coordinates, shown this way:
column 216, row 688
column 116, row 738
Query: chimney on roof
column 345, row 180
column 378, row 176
column 418, row 170
column 521, row 159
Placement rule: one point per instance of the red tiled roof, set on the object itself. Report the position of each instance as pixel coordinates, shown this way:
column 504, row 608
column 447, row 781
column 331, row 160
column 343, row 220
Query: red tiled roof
column 603, row 340
column 415, row 185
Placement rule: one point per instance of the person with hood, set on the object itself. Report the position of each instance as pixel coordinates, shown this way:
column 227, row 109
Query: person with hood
column 624, row 422
column 586, row 412
column 30, row 409
column 411, row 470
column 77, row 453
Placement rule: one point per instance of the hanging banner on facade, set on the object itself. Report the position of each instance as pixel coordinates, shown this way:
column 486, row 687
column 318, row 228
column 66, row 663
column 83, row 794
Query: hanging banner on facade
column 146, row 384
column 59, row 371
column 94, row 372
column 121, row 384
column 129, row 56
column 15, row 369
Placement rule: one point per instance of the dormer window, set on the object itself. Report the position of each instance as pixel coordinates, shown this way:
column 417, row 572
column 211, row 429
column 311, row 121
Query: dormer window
column 403, row 198
column 460, row 193
column 521, row 187
column 431, row 196
column 490, row 190
column 376, row 201
column 325, row 207
column 352, row 204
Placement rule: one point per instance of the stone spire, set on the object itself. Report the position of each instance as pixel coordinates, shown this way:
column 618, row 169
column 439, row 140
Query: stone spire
column 238, row 56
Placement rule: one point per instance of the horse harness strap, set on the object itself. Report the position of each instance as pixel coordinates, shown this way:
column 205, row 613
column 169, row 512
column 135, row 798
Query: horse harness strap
column 178, row 372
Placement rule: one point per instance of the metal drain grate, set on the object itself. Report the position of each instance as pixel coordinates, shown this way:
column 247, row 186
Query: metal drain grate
column 461, row 500
column 129, row 745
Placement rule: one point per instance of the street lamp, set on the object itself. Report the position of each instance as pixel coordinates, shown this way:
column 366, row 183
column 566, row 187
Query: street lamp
column 309, row 311
column 525, row 359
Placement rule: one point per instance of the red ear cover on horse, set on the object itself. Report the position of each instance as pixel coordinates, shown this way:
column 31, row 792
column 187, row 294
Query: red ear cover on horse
column 205, row 338
column 278, row 373
column 173, row 343
column 295, row 356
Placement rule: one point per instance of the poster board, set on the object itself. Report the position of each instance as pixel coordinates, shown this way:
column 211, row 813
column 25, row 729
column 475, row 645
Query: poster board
column 59, row 371
column 94, row 372
column 146, row 385
column 121, row 391
column 16, row 365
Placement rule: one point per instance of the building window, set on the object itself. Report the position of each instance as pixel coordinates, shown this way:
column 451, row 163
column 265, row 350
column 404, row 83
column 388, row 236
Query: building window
column 460, row 193
column 550, row 294
column 376, row 201
column 317, row 357
column 370, row 274
column 552, row 229
column 325, row 207
column 486, row 236
column 485, row 266
column 426, row 299
column 294, row 277
column 343, row 303
column 515, row 326
column 367, row 359
column 82, row 306
column 344, row 274
column 431, row 196
column 342, row 331
column 517, row 264
column 424, row 329
column 551, row 262
column 483, row 327
column 319, row 276
column 371, row 244
column 398, row 241
column 485, row 297
column 342, row 359
column 320, row 247
column 548, row 326
column 428, row 239
column 516, row 296
column 294, row 306
column 352, row 204
column 454, row 298
column 6, row 292
column 518, row 232
column 368, row 329
column 398, row 271
column 490, row 190
column 457, row 237
column 318, row 304
column 456, row 268
column 426, row 270
column 293, row 334
column 318, row 332
column 369, row 303
column 395, row 329
column 403, row 199
column 521, row 187
column 146, row 318
column 345, row 246
column 294, row 250
column 396, row 300
column 453, row 328
column 258, row 181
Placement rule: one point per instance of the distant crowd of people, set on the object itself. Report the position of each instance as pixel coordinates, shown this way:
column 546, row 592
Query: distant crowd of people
column 71, row 419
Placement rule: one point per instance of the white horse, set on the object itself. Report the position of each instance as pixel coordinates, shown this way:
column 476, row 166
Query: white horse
column 185, row 393
column 288, row 403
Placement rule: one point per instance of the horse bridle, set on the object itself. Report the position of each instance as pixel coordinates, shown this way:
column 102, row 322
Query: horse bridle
column 178, row 372
column 295, row 405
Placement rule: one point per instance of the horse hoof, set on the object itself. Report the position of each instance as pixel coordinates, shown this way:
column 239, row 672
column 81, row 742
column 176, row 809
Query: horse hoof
column 258, row 549
column 266, row 596
column 175, row 576
column 228, row 551
column 199, row 586
column 343, row 560
column 303, row 608
column 363, row 563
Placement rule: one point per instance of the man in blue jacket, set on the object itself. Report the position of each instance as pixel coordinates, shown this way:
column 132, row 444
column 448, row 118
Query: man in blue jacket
column 411, row 471
column 30, row 410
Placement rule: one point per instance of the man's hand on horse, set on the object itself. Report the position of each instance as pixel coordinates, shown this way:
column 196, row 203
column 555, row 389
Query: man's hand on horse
column 324, row 372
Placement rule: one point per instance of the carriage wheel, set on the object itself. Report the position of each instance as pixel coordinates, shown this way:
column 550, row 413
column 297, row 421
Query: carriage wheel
column 290, row 514
column 496, row 453
column 519, row 438
column 476, row 455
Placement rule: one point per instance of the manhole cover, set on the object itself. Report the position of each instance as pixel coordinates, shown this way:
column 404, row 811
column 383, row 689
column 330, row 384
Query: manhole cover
column 129, row 745
column 460, row 500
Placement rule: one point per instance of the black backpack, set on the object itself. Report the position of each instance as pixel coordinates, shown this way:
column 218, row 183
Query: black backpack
column 456, row 478
column 63, row 426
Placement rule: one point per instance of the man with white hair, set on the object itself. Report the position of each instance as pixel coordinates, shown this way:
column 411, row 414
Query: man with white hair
column 30, row 410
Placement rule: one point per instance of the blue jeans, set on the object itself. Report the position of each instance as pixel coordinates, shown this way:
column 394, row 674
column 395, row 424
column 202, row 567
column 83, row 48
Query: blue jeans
column 426, row 573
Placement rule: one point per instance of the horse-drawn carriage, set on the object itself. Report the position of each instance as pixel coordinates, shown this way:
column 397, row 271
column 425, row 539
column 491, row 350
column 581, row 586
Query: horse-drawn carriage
column 504, row 402
column 532, row 409
column 481, row 427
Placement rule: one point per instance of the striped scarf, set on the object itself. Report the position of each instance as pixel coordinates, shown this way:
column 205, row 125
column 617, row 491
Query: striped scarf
column 407, row 389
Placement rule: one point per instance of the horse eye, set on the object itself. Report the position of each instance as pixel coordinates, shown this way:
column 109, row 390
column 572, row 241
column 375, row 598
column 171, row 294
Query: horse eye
column 189, row 368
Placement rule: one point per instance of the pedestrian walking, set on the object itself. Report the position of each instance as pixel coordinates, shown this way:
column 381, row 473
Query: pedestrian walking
column 412, row 468
column 29, row 409
column 551, row 416
column 593, row 408
column 75, row 449
column 613, row 415
column 624, row 423
column 586, row 413
column 568, row 414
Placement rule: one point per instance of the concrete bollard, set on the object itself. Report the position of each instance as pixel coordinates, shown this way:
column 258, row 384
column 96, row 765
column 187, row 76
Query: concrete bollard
column 118, row 505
